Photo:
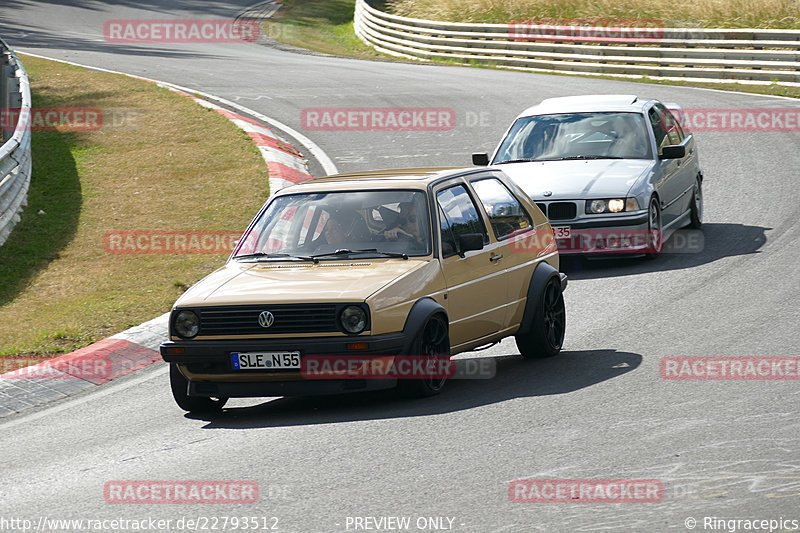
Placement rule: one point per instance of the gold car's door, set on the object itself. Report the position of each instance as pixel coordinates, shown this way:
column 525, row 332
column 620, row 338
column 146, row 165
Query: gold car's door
column 476, row 286
column 509, row 220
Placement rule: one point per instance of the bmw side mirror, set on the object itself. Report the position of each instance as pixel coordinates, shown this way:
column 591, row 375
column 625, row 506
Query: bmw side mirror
column 480, row 159
column 673, row 152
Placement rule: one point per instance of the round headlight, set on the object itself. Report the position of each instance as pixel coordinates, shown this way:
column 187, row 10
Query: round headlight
column 597, row 206
column 187, row 325
column 354, row 319
column 615, row 206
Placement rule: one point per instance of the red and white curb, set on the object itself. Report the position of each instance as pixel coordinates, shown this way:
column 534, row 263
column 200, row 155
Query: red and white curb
column 58, row 377
column 285, row 163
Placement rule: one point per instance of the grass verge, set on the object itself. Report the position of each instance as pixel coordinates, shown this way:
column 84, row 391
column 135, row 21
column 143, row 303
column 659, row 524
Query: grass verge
column 159, row 162
column 322, row 26
column 327, row 26
column 676, row 14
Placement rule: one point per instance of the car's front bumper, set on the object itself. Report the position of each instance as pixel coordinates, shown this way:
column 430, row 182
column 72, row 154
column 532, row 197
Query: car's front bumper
column 625, row 234
column 208, row 365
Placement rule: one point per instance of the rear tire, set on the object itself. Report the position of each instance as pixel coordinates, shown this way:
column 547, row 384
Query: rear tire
column 193, row 404
column 549, row 324
column 432, row 341
column 696, row 210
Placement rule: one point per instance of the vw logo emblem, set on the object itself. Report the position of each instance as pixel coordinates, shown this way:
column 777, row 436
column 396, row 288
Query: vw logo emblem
column 548, row 193
column 265, row 319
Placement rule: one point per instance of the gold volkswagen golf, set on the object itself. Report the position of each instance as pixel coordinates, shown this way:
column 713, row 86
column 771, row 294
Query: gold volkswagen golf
column 339, row 281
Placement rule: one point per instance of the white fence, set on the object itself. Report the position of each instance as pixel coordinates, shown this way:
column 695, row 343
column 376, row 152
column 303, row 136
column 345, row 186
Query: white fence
column 15, row 134
column 760, row 56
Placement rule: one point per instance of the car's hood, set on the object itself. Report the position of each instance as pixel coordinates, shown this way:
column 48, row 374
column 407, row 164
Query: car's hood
column 286, row 282
column 591, row 178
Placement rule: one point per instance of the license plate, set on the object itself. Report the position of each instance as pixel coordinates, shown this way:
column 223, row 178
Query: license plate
column 562, row 232
column 265, row 360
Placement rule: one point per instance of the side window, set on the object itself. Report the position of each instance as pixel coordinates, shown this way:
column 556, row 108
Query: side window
column 665, row 127
column 446, row 235
column 505, row 213
column 658, row 129
column 459, row 216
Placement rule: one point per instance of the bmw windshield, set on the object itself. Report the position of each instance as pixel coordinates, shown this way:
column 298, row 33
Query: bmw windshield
column 576, row 136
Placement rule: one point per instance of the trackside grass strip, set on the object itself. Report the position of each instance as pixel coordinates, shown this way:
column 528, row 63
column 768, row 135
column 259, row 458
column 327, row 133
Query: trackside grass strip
column 158, row 162
column 676, row 14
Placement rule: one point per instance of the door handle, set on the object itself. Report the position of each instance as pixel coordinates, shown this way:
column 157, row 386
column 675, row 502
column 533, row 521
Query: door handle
column 496, row 257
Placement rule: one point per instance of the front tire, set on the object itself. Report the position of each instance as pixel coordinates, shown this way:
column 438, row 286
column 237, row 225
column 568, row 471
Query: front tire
column 433, row 342
column 194, row 404
column 655, row 237
column 549, row 324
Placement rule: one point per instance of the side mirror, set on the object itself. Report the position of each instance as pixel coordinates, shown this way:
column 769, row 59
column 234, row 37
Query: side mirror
column 480, row 159
column 673, row 152
column 470, row 241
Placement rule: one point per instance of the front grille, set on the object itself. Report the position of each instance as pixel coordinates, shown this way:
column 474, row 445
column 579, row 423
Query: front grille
column 542, row 208
column 289, row 318
column 561, row 210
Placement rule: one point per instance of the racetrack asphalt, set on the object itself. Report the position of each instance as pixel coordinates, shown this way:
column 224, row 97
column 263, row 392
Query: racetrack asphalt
column 601, row 410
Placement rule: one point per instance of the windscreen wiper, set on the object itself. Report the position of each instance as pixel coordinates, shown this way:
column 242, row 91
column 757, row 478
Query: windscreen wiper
column 515, row 161
column 347, row 251
column 258, row 255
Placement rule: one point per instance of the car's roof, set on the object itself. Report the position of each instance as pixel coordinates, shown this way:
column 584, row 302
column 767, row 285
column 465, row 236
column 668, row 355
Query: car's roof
column 404, row 178
column 590, row 102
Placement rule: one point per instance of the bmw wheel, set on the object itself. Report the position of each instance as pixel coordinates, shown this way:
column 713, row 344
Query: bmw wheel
column 655, row 237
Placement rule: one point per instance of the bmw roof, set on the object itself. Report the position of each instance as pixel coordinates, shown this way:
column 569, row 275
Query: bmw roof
column 586, row 103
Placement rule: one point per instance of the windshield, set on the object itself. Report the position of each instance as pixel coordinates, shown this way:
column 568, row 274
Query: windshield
column 576, row 136
column 324, row 226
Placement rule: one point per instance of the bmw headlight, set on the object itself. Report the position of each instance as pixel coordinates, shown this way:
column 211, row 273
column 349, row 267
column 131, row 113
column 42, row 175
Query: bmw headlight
column 596, row 206
column 353, row 319
column 613, row 205
column 186, row 324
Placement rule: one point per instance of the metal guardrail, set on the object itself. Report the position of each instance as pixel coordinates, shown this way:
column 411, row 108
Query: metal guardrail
column 15, row 127
column 763, row 56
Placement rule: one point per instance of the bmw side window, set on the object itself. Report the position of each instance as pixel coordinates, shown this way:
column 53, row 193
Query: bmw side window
column 658, row 129
column 674, row 133
column 506, row 214
column 459, row 215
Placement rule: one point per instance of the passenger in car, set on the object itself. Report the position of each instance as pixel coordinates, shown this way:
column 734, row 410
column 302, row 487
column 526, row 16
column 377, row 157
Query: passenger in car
column 408, row 225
